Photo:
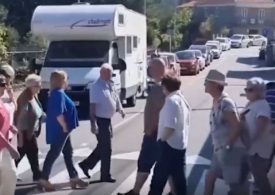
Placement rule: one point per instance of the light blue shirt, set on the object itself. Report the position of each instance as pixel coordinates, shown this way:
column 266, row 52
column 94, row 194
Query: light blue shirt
column 103, row 95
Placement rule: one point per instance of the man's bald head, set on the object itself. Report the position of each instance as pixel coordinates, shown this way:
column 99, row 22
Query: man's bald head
column 106, row 71
column 157, row 69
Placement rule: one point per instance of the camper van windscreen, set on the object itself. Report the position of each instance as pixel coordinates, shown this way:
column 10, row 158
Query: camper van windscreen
column 59, row 50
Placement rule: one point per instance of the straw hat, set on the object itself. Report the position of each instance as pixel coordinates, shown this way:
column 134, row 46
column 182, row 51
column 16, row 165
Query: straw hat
column 216, row 77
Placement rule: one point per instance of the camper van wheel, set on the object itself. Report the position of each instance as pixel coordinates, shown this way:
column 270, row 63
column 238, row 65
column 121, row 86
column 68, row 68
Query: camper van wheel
column 131, row 101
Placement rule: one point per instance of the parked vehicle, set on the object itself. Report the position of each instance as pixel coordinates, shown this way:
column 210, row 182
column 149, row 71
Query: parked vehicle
column 258, row 40
column 205, row 52
column 215, row 50
column 171, row 62
column 215, row 42
column 199, row 55
column 82, row 37
column 240, row 41
column 225, row 43
column 189, row 63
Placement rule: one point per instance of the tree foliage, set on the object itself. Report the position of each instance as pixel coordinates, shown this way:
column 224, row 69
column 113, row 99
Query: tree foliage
column 3, row 42
column 207, row 27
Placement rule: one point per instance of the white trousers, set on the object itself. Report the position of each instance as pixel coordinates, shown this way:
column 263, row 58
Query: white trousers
column 7, row 173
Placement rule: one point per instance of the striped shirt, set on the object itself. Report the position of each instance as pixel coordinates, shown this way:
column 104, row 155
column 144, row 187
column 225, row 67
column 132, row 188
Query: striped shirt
column 270, row 98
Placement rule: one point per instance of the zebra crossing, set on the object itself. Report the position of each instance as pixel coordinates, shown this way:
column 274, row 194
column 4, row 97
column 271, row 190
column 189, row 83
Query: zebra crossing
column 60, row 176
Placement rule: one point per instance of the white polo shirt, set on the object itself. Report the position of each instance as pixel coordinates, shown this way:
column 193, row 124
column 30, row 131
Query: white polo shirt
column 175, row 114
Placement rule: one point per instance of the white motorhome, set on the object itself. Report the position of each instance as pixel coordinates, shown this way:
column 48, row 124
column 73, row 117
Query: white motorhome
column 82, row 37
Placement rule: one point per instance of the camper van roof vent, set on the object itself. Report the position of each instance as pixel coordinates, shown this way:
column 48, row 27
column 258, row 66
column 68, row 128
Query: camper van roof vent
column 81, row 3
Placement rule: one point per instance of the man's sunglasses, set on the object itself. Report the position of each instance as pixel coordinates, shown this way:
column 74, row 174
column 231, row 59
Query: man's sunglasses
column 248, row 90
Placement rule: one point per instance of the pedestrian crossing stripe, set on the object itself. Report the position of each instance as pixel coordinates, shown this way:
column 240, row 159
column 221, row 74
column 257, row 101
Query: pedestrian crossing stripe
column 62, row 175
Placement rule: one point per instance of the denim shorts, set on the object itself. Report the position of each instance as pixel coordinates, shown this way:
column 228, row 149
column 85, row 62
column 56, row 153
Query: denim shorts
column 148, row 154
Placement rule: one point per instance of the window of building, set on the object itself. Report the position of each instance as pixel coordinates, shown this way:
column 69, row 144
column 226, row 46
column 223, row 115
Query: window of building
column 121, row 19
column 244, row 12
column 129, row 45
column 135, row 42
column 261, row 14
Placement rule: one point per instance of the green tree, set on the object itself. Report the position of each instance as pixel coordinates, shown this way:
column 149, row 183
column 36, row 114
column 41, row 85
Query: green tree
column 225, row 31
column 35, row 42
column 12, row 38
column 3, row 42
column 178, row 26
column 207, row 27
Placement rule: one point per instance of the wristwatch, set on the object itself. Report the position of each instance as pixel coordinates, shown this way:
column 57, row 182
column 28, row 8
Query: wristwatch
column 228, row 147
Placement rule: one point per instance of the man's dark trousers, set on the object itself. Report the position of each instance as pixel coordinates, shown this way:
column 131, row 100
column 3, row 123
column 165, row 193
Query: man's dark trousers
column 171, row 162
column 103, row 149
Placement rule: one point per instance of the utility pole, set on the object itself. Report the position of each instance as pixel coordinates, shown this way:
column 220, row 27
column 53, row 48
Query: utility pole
column 144, row 7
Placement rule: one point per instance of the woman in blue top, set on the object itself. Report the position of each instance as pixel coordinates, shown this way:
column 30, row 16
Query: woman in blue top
column 61, row 120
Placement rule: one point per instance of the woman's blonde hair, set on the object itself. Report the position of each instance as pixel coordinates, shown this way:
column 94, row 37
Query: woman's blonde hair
column 58, row 78
column 32, row 80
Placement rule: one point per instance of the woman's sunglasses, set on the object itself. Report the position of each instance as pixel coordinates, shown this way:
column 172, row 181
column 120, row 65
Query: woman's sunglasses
column 3, row 84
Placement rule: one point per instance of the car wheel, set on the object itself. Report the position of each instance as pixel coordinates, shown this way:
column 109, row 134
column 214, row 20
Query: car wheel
column 131, row 101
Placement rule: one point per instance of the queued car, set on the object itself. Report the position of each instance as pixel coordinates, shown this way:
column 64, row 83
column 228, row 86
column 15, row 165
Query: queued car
column 258, row 40
column 171, row 61
column 214, row 49
column 199, row 55
column 225, row 43
column 205, row 53
column 241, row 41
column 215, row 42
column 189, row 62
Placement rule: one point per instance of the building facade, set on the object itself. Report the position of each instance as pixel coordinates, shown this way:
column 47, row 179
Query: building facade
column 241, row 16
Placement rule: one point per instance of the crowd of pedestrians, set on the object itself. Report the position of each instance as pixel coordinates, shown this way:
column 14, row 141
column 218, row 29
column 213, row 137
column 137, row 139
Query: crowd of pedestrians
column 243, row 143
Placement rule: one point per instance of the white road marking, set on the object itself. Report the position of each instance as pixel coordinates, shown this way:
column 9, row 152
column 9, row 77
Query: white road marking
column 126, row 120
column 220, row 187
column 191, row 160
column 24, row 165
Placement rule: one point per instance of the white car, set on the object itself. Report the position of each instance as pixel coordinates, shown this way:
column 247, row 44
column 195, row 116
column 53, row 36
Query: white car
column 219, row 46
column 225, row 43
column 240, row 41
column 214, row 48
column 258, row 40
column 200, row 57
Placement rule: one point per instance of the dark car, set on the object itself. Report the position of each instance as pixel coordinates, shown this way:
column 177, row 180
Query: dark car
column 189, row 63
column 205, row 52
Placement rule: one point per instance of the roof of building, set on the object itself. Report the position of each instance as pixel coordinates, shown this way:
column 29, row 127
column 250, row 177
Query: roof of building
column 241, row 3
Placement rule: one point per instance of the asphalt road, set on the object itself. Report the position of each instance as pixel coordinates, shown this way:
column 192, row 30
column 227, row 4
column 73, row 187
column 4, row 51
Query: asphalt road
column 237, row 64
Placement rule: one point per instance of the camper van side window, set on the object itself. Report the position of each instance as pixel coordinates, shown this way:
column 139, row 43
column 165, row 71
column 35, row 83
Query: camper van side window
column 129, row 45
column 121, row 19
column 135, row 42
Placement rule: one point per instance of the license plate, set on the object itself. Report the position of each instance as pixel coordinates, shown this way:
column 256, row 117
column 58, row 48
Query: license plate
column 76, row 103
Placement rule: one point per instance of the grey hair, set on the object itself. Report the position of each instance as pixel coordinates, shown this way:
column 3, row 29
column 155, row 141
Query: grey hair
column 32, row 80
column 256, row 82
column 106, row 66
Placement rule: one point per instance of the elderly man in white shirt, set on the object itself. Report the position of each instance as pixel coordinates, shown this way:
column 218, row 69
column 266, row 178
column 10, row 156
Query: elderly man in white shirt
column 173, row 128
column 104, row 102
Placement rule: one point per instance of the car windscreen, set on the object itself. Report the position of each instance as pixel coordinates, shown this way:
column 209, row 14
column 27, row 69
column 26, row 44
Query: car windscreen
column 212, row 46
column 78, row 49
column 197, row 47
column 237, row 37
column 221, row 40
column 198, row 54
column 185, row 55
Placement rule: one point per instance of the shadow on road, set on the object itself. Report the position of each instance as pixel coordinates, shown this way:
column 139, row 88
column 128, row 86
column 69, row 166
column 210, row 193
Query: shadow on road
column 197, row 170
column 251, row 61
column 267, row 74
